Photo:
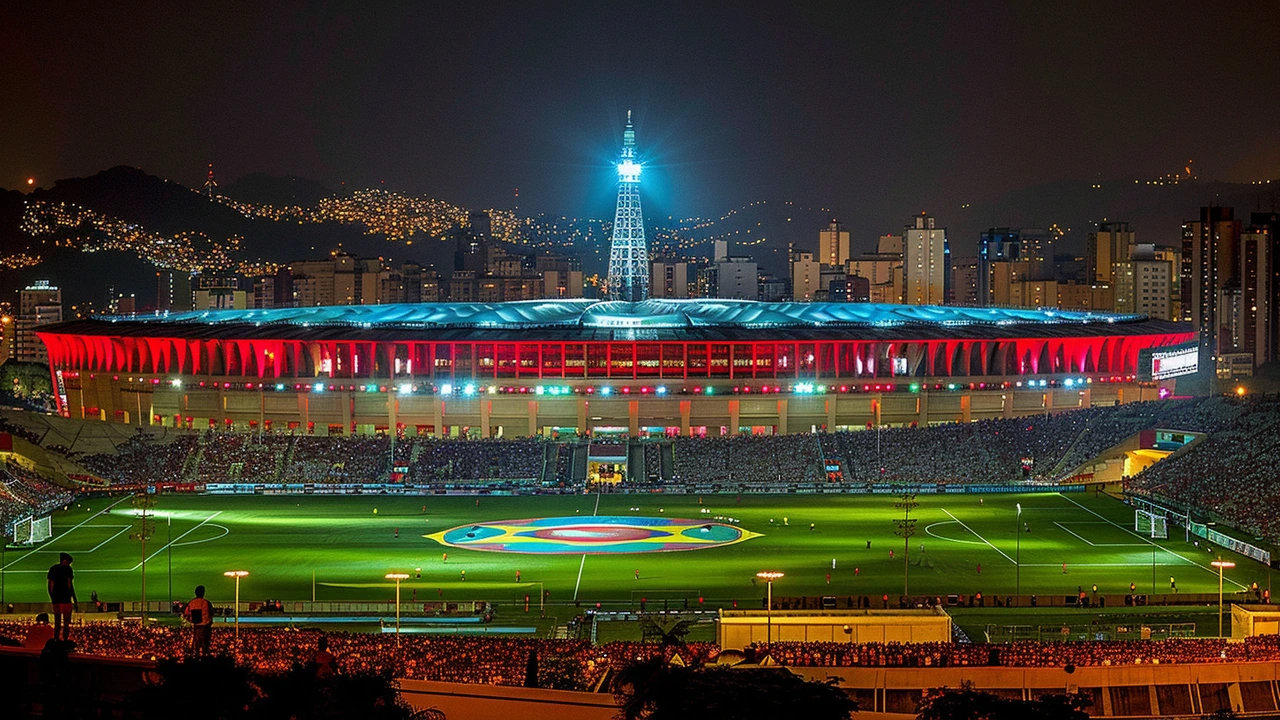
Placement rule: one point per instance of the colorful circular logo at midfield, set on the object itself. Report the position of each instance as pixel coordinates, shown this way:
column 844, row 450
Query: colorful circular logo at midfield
column 592, row 535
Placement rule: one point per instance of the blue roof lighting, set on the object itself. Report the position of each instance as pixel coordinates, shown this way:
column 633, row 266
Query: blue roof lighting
column 650, row 314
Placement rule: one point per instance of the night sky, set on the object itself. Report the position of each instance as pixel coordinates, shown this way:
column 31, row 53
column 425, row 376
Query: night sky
column 877, row 111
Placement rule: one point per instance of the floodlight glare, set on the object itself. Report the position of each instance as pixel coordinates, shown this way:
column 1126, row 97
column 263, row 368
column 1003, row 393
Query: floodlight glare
column 629, row 171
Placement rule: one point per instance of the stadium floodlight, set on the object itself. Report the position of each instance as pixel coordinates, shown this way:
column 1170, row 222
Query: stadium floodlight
column 1221, row 565
column 397, row 576
column 769, row 576
column 237, row 574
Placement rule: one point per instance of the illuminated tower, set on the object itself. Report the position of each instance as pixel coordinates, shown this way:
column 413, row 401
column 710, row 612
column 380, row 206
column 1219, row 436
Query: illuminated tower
column 210, row 185
column 629, row 253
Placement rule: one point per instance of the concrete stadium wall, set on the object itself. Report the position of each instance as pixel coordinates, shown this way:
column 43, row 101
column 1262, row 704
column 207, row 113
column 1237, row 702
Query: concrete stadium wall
column 738, row 629
column 515, row 415
column 493, row 702
column 1117, row 691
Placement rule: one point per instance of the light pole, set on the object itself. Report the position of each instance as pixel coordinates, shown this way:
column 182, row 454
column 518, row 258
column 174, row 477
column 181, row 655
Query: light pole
column 397, row 577
column 1221, row 565
column 769, row 576
column 237, row 574
column 1017, row 531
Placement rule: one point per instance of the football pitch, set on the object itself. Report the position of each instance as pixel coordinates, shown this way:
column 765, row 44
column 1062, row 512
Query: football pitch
column 341, row 547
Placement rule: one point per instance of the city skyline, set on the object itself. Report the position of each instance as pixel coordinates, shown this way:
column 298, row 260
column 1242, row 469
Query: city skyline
column 824, row 107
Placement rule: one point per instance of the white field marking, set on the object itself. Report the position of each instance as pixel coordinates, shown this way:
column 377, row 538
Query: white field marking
column 225, row 532
column 580, row 566
column 988, row 542
column 1090, row 542
column 597, row 510
column 1091, row 565
column 1147, row 541
column 123, row 530
column 166, row 545
column 61, row 535
column 929, row 530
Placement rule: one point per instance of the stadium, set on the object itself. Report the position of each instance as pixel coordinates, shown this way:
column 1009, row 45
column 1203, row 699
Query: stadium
column 573, row 475
column 590, row 368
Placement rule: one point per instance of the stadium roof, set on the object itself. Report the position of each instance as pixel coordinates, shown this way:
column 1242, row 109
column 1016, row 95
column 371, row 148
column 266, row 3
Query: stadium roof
column 655, row 319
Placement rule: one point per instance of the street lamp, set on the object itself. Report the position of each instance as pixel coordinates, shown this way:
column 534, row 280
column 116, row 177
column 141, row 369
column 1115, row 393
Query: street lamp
column 769, row 576
column 397, row 577
column 237, row 574
column 1221, row 565
column 1017, row 533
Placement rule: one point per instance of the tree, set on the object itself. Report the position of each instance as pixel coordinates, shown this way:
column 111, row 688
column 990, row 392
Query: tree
column 208, row 688
column 656, row 690
column 26, row 382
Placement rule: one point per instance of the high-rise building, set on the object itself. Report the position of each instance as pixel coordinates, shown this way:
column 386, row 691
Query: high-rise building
column 964, row 282
column 851, row 288
column 833, row 245
column 220, row 292
column 173, row 291
column 1112, row 243
column 883, row 269
column 996, row 245
column 1209, row 275
column 926, row 262
column 1143, row 283
column 806, row 277
column 1172, row 256
column 628, row 278
column 1268, row 342
column 737, row 278
column 38, row 304
column 1037, row 247
column 669, row 279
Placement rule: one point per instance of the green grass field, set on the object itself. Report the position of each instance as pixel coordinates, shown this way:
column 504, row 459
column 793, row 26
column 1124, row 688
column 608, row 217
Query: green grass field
column 282, row 541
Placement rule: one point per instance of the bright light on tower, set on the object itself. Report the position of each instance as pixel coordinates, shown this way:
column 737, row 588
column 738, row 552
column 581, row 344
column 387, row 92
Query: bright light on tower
column 629, row 171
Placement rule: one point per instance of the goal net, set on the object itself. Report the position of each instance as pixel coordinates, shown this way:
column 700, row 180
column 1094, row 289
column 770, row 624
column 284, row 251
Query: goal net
column 1149, row 524
column 32, row 530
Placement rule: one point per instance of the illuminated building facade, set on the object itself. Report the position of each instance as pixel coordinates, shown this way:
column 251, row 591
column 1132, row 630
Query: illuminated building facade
column 688, row 367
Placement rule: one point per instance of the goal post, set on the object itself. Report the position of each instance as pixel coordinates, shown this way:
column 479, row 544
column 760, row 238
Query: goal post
column 1149, row 524
column 31, row 530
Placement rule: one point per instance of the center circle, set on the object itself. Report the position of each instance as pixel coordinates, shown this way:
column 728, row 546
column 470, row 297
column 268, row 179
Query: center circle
column 599, row 534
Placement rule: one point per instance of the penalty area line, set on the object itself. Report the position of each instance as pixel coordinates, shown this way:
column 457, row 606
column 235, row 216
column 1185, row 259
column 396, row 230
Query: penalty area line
column 988, row 542
column 1181, row 557
column 63, row 534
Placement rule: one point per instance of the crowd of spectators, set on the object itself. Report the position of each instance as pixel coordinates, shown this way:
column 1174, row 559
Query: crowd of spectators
column 475, row 460
column 354, row 459
column 141, row 460
column 503, row 661
column 748, row 458
column 490, row 661
column 1025, row 653
column 24, row 493
column 230, row 456
column 1230, row 474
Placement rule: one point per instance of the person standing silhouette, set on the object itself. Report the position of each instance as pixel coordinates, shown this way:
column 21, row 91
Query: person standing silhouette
column 62, row 593
column 199, row 612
